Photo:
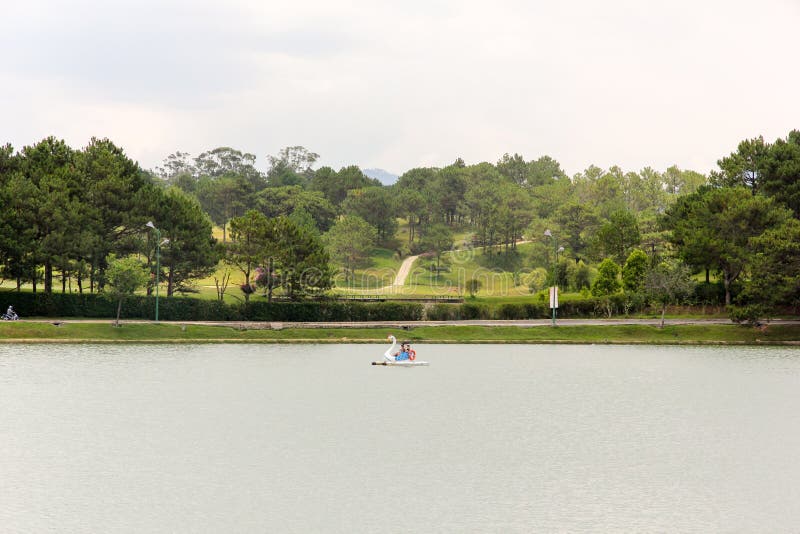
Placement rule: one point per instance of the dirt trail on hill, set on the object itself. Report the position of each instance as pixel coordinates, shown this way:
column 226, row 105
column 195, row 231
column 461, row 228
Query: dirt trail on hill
column 402, row 273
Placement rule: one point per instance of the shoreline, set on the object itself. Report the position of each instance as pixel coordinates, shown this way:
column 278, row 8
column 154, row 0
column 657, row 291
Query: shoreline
column 345, row 341
column 569, row 332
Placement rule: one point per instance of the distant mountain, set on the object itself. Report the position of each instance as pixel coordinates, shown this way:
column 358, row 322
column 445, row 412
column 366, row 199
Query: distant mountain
column 385, row 177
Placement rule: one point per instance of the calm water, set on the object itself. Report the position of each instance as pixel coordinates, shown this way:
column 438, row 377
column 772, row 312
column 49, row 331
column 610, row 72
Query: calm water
column 249, row 438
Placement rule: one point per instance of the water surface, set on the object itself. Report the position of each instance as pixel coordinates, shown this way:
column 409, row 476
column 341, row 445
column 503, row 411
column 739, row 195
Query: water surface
column 310, row 438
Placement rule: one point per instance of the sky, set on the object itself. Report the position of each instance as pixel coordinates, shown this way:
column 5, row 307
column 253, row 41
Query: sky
column 397, row 85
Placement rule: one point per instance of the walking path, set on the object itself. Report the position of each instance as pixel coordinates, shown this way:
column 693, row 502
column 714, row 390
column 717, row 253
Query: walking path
column 402, row 273
column 531, row 323
column 405, row 270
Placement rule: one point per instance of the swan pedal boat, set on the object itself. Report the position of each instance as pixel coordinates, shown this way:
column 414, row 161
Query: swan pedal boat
column 403, row 363
column 388, row 358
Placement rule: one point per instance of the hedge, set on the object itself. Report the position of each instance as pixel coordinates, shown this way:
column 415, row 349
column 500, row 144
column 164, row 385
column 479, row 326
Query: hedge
column 190, row 309
column 458, row 312
column 590, row 307
column 331, row 311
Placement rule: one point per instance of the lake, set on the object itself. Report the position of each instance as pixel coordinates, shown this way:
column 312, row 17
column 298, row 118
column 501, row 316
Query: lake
column 312, row 438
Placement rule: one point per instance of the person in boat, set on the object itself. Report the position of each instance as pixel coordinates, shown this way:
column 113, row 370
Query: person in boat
column 404, row 353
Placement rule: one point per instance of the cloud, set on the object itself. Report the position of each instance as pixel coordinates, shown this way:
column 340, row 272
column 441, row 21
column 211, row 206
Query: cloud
column 398, row 85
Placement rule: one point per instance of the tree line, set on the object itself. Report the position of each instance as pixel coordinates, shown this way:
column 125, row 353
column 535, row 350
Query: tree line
column 744, row 225
column 65, row 211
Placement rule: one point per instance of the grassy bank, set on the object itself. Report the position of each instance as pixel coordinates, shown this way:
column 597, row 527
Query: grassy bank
column 176, row 333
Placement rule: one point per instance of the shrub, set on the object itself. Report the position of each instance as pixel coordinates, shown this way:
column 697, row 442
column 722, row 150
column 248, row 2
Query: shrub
column 470, row 310
column 511, row 311
column 191, row 309
column 522, row 311
column 750, row 314
column 441, row 312
column 473, row 285
column 709, row 293
column 581, row 278
column 537, row 280
column 458, row 312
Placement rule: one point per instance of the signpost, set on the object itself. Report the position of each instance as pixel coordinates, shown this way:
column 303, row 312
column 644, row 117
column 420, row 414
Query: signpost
column 554, row 287
column 554, row 301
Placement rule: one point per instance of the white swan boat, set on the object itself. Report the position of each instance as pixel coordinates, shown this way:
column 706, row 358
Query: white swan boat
column 388, row 357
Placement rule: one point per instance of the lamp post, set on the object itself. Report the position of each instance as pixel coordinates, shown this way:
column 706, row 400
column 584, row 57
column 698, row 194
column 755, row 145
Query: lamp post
column 158, row 258
column 554, row 288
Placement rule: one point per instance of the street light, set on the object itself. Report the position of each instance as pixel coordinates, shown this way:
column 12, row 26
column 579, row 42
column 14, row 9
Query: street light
column 554, row 288
column 158, row 257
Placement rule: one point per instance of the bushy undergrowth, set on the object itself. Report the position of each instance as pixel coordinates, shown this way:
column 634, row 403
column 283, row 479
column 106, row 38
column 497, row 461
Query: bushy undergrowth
column 458, row 312
column 190, row 309
column 516, row 311
column 618, row 305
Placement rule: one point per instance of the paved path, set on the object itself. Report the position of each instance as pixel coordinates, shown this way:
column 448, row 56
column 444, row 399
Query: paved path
column 256, row 325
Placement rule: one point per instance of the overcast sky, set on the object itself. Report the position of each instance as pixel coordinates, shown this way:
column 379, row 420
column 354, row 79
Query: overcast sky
column 398, row 85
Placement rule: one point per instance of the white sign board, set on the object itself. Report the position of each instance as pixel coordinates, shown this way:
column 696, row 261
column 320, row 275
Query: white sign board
column 554, row 297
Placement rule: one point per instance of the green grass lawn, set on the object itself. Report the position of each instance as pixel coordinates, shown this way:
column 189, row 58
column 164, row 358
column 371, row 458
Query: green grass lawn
column 497, row 281
column 380, row 272
column 495, row 272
